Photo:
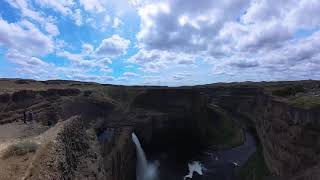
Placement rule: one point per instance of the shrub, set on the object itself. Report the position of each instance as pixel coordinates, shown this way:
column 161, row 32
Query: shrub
column 307, row 102
column 288, row 91
column 20, row 149
column 255, row 168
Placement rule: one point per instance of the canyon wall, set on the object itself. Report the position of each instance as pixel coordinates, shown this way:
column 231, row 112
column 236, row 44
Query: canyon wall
column 64, row 124
column 289, row 135
column 182, row 119
column 119, row 154
column 89, row 134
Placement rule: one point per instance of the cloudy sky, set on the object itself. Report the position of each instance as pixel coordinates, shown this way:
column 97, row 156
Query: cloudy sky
column 160, row 42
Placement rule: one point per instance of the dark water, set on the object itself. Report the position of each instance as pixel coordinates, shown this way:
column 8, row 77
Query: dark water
column 217, row 165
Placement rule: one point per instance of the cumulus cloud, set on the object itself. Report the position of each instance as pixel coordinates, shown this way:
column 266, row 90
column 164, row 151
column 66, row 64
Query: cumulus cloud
column 30, row 66
column 130, row 74
column 78, row 17
column 92, row 5
column 105, row 22
column 101, row 57
column 84, row 61
column 117, row 22
column 242, row 39
column 237, row 37
column 155, row 60
column 185, row 25
column 113, row 46
column 244, row 64
column 26, row 10
column 91, row 78
column 24, row 60
column 61, row 6
column 24, row 37
column 52, row 29
column 180, row 76
column 87, row 48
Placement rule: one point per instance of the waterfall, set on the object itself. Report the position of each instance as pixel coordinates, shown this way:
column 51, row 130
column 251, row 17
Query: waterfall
column 144, row 169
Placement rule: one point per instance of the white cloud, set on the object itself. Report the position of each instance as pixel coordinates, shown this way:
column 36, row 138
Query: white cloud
column 181, row 76
column 92, row 5
column 26, row 10
column 117, row 22
column 24, row 60
column 91, row 78
column 130, row 74
column 155, row 60
column 52, row 29
column 84, row 61
column 105, row 23
column 87, row 60
column 87, row 48
column 78, row 17
column 113, row 46
column 266, row 35
column 187, row 26
column 62, row 6
column 25, row 38
column 305, row 15
column 242, row 39
column 30, row 66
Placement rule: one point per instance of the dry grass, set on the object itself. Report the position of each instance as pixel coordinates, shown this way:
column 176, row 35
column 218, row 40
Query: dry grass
column 20, row 149
column 307, row 102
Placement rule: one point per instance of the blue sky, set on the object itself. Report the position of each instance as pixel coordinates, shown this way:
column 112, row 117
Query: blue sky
column 163, row 42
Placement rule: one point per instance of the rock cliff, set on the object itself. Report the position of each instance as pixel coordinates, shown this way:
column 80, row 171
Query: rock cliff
column 289, row 134
column 84, row 129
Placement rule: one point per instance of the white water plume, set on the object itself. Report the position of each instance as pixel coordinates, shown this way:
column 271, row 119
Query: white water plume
column 195, row 166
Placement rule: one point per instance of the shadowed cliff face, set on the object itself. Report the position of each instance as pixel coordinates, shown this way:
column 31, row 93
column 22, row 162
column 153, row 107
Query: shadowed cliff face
column 289, row 135
column 181, row 119
column 168, row 116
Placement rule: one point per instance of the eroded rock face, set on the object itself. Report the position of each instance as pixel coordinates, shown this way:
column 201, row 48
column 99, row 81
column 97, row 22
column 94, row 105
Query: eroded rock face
column 181, row 119
column 72, row 153
column 44, row 105
column 73, row 150
column 118, row 152
column 167, row 116
column 289, row 135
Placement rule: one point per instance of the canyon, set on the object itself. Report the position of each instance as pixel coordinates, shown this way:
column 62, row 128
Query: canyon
column 81, row 130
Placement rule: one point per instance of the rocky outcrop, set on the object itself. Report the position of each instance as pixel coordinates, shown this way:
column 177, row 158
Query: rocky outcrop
column 118, row 152
column 73, row 150
column 289, row 135
column 42, row 104
column 72, row 153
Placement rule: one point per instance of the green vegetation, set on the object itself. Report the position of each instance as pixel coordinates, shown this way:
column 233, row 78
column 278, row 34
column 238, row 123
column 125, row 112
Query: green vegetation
column 222, row 131
column 306, row 102
column 288, row 91
column 255, row 168
column 20, row 149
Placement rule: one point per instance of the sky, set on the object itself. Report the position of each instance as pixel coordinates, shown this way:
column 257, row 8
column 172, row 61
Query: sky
column 160, row 42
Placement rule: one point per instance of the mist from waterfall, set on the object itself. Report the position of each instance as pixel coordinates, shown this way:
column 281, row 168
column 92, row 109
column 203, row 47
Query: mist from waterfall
column 144, row 169
column 195, row 166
